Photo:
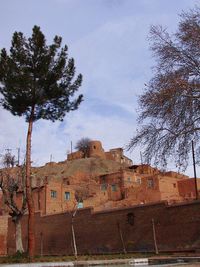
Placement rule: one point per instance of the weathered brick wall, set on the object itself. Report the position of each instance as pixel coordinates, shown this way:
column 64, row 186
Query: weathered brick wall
column 168, row 187
column 187, row 188
column 3, row 234
column 177, row 228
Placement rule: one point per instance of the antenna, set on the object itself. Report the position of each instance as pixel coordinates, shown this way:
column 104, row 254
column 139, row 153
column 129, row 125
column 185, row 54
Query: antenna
column 71, row 146
column 18, row 155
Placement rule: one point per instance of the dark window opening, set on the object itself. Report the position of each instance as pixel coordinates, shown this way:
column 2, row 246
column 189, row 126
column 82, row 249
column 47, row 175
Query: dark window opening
column 103, row 187
column 114, row 187
column 130, row 218
column 67, row 195
column 53, row 194
column 150, row 183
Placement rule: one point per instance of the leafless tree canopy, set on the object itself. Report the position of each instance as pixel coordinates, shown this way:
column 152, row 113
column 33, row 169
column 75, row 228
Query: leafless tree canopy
column 8, row 160
column 169, row 113
column 83, row 145
column 11, row 183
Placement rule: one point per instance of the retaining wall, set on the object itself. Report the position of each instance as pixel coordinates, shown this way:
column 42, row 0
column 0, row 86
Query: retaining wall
column 176, row 227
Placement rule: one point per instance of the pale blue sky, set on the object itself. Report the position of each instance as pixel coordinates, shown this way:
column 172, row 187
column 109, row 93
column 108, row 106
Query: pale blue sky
column 108, row 40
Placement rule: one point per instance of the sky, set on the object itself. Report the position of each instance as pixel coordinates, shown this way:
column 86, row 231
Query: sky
column 109, row 41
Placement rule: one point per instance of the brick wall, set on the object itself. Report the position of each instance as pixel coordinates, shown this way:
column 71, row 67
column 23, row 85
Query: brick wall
column 3, row 235
column 177, row 228
column 169, row 188
column 187, row 188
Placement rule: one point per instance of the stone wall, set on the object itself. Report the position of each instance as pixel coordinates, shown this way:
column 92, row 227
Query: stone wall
column 177, row 229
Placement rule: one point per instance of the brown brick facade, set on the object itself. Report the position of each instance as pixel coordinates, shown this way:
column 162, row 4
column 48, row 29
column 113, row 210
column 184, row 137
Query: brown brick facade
column 3, row 235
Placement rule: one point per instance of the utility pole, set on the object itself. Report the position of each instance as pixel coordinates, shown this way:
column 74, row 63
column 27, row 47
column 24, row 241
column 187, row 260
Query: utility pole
column 141, row 160
column 195, row 175
column 18, row 155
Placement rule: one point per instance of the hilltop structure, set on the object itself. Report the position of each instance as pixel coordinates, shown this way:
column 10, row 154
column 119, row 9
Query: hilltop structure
column 96, row 150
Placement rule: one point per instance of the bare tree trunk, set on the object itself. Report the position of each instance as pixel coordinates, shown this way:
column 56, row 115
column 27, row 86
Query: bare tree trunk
column 154, row 236
column 30, row 203
column 74, row 239
column 18, row 236
column 121, row 238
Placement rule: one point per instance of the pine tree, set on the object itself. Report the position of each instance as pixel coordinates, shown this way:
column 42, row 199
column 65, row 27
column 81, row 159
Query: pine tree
column 37, row 81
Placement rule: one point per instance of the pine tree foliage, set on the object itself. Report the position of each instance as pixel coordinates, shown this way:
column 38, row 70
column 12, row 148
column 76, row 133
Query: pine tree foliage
column 169, row 108
column 35, row 75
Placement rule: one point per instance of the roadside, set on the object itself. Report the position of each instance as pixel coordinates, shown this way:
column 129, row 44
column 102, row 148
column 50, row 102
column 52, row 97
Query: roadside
column 151, row 261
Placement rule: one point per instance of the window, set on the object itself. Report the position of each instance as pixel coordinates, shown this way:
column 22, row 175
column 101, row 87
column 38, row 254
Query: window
column 67, row 195
column 114, row 187
column 174, row 185
column 150, row 183
column 53, row 194
column 138, row 180
column 129, row 179
column 103, row 187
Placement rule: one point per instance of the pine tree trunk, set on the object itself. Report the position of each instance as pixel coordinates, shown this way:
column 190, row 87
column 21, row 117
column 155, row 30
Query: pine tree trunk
column 18, row 236
column 30, row 203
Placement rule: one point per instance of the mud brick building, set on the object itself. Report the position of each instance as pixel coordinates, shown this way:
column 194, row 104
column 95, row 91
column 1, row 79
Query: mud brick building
column 143, row 184
column 103, row 180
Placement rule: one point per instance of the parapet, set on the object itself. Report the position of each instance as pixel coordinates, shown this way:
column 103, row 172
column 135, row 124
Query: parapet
column 75, row 155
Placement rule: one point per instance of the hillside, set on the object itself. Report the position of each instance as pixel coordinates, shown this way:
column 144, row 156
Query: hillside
column 76, row 170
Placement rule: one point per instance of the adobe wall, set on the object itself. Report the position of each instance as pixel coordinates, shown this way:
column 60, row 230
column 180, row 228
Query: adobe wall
column 75, row 155
column 117, row 155
column 177, row 228
column 168, row 186
column 59, row 203
column 187, row 188
column 3, row 235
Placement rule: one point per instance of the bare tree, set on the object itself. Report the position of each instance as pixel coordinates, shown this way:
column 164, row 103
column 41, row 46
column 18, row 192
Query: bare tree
column 72, row 212
column 8, row 160
column 83, row 145
column 12, row 181
column 81, row 193
column 169, row 109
